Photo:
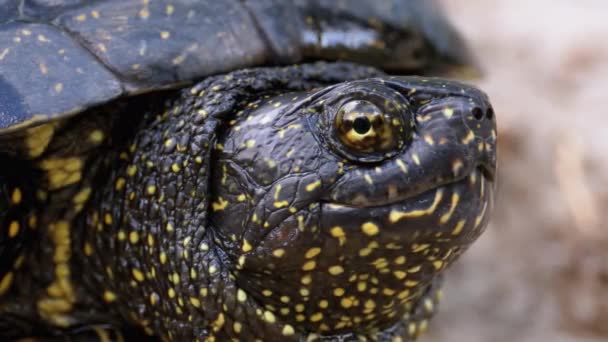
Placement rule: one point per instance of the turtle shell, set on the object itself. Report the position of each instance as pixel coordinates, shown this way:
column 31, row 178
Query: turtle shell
column 58, row 58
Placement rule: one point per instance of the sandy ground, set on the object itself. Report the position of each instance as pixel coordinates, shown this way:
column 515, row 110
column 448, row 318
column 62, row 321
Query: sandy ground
column 540, row 272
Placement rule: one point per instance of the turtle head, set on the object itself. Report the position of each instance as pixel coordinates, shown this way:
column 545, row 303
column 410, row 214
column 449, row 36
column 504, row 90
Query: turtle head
column 338, row 207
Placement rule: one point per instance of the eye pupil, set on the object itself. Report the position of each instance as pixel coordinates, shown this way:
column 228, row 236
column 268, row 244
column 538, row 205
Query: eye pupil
column 362, row 125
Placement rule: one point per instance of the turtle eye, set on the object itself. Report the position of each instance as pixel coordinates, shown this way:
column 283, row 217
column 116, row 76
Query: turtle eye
column 363, row 127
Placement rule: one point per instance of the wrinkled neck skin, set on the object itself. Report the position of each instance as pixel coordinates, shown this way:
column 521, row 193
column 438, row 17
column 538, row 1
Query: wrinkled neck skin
column 260, row 226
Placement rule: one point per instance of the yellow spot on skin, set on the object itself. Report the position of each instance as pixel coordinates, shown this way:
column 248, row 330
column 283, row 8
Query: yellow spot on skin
column 212, row 269
column 144, row 13
column 96, row 137
column 241, row 198
column 346, row 302
column 107, row 218
column 402, row 165
column 370, row 228
column 133, row 237
column 82, row 196
column 241, row 296
column 81, row 17
column 446, row 217
column 58, row 87
column 221, row 204
column 468, row 138
column 316, row 317
column 153, row 298
column 288, row 330
column 339, row 292
column 416, row 248
column 399, row 274
column 396, row 216
column 335, row 270
column 165, row 34
column 16, row 197
column 88, row 249
column 38, row 138
column 416, row 159
column 312, row 186
column 151, row 190
column 457, row 166
column 13, row 229
column 448, row 112
column 120, row 184
column 269, row 317
column 281, row 204
column 313, row 252
column 388, row 292
column 122, row 236
column 306, row 280
column 250, row 143
column 400, row 260
column 411, row 283
column 6, row 282
column 438, row 264
column 43, row 68
column 246, row 246
column 403, row 294
column 309, row 266
column 278, row 252
column 338, row 233
column 138, row 275
column 429, row 140
column 109, row 296
column 369, row 179
column 418, row 267
column 237, row 327
column 170, row 9
column 131, row 170
column 458, row 228
column 195, row 302
column 163, row 258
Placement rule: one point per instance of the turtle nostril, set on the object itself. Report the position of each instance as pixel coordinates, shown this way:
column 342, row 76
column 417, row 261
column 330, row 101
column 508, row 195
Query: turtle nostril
column 477, row 113
column 490, row 113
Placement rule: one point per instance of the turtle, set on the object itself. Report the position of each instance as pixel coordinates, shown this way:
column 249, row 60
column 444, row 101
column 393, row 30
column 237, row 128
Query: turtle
column 234, row 170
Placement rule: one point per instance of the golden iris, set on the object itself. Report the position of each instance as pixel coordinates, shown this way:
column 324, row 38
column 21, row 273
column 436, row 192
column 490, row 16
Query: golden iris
column 364, row 127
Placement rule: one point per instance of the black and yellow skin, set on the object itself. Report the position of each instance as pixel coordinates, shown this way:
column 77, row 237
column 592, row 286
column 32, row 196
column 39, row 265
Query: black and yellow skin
column 315, row 202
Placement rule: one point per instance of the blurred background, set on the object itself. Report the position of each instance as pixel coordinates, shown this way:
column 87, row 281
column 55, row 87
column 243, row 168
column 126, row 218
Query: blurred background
column 540, row 272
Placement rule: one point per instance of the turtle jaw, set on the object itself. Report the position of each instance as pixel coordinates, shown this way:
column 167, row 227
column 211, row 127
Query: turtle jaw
column 390, row 254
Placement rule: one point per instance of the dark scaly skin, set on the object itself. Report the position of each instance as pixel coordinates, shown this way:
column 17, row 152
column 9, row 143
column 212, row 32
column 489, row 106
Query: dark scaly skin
column 236, row 212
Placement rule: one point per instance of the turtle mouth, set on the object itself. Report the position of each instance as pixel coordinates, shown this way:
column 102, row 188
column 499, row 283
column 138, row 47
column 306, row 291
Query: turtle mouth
column 449, row 208
column 391, row 196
